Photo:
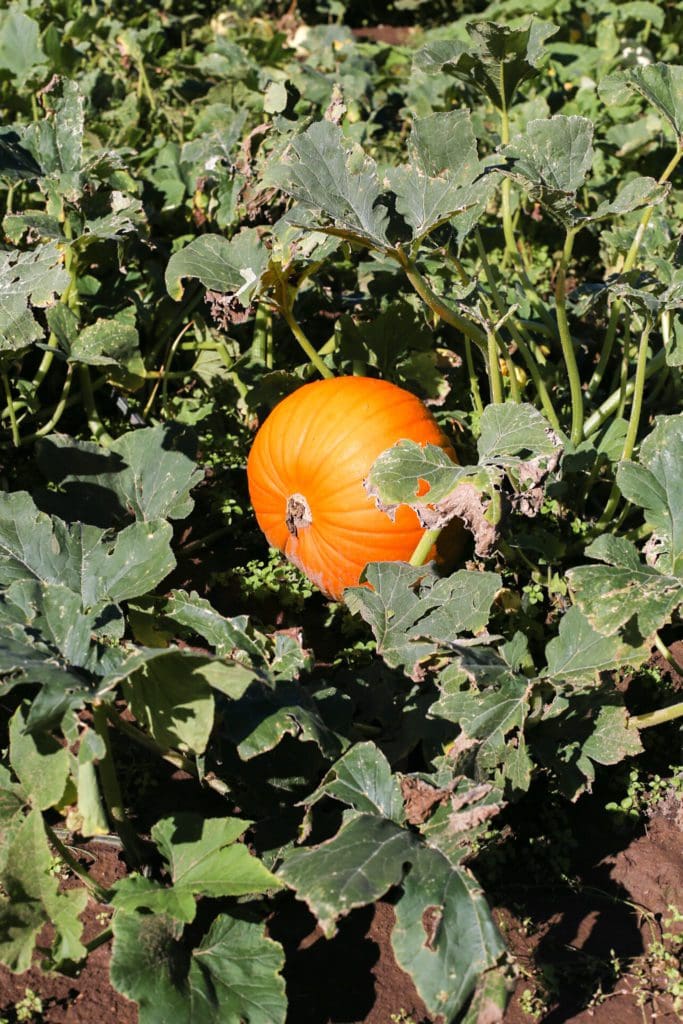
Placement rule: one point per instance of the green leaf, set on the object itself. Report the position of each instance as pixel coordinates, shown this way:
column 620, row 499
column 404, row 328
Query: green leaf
column 660, row 84
column 233, row 268
column 233, row 974
column 40, row 763
column 611, row 740
column 326, row 175
column 624, row 590
column 134, row 892
column 656, row 486
column 636, row 193
column 580, row 653
column 362, row 779
column 408, row 606
column 16, row 162
column 198, row 615
column 57, row 141
column 356, row 867
column 499, row 60
column 148, row 473
column 444, row 937
column 205, row 859
column 238, row 967
column 170, row 697
column 31, row 899
column 81, row 558
column 551, row 160
column 20, row 51
column 27, row 279
column 492, row 709
column 438, row 179
column 106, row 343
column 514, row 431
column 262, row 717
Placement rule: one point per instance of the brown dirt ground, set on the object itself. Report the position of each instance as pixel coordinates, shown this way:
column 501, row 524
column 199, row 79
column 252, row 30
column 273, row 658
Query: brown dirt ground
column 567, row 947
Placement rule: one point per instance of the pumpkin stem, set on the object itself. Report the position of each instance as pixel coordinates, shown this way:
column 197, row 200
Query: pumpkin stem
column 298, row 515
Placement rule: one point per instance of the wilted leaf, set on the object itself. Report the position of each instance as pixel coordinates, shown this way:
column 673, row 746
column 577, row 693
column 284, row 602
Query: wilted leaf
column 231, row 267
column 444, row 936
column 499, row 59
column 551, row 160
column 233, row 974
column 27, row 279
column 324, row 174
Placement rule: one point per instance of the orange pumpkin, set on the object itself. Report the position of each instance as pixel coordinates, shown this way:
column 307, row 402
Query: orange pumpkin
column 306, row 470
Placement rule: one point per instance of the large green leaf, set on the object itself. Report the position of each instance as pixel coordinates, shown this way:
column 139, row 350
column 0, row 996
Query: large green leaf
column 328, row 176
column 438, row 179
column 233, row 974
column 412, row 611
column 655, row 485
column 444, row 936
column 205, row 859
column 625, row 590
column 499, row 59
column 551, row 160
column 580, row 653
column 362, row 779
column 357, row 866
column 169, row 695
column 232, row 268
column 20, row 51
column 31, row 899
column 660, row 84
column 27, row 279
column 147, row 473
column 40, row 763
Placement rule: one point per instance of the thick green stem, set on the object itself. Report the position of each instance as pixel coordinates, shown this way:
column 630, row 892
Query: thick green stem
column 633, row 424
column 629, row 264
column 611, row 404
column 306, row 345
column 495, row 380
column 94, row 887
column 16, row 440
column 111, row 790
column 424, row 546
column 508, row 230
column 566, row 342
column 99, row 940
column 57, row 413
column 172, row 757
column 446, row 313
column 659, row 717
column 667, row 655
column 473, row 379
column 95, row 424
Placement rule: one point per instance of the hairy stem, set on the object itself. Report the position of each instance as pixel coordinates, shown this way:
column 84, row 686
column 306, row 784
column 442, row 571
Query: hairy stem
column 94, row 887
column 111, row 790
column 424, row 546
column 565, row 339
column 609, row 406
column 633, row 424
column 667, row 655
column 473, row 380
column 629, row 264
column 16, row 440
column 445, row 312
column 659, row 717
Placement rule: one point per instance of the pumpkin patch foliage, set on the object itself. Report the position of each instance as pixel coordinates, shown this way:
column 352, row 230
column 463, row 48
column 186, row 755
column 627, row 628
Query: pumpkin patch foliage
column 341, row 451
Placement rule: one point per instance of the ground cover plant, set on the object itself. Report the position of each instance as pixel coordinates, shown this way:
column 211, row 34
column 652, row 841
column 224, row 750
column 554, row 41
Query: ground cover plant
column 202, row 211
